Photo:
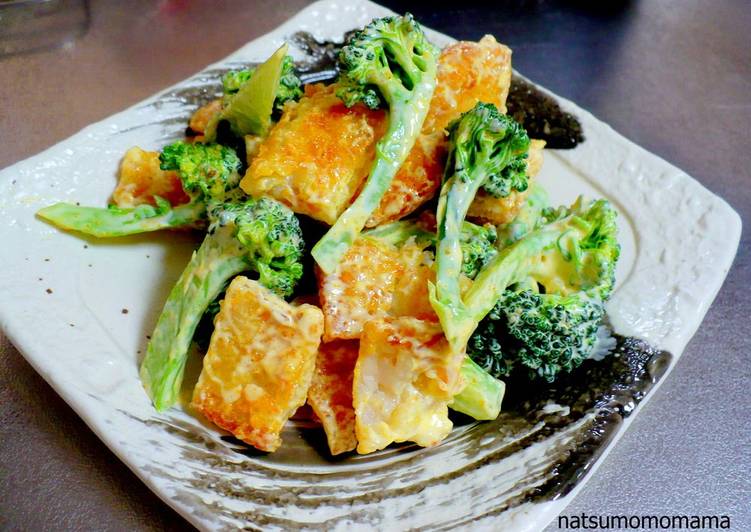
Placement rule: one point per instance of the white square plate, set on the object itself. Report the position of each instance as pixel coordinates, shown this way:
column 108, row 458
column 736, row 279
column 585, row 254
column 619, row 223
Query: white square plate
column 80, row 312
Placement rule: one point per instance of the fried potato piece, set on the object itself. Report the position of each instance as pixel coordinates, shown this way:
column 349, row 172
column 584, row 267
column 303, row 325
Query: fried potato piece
column 259, row 365
column 487, row 209
column 405, row 377
column 535, row 158
column 141, row 179
column 318, row 155
column 204, row 115
column 361, row 288
column 330, row 393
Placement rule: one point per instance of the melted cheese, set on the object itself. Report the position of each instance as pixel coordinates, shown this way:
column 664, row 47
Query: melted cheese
column 259, row 365
column 405, row 377
column 330, row 393
column 141, row 179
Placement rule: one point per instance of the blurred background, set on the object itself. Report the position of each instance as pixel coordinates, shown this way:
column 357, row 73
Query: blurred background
column 672, row 75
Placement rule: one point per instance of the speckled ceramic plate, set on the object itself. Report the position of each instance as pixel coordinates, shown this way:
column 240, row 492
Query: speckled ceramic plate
column 80, row 311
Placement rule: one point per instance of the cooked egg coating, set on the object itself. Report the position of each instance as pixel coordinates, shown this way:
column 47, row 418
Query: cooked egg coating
column 259, row 364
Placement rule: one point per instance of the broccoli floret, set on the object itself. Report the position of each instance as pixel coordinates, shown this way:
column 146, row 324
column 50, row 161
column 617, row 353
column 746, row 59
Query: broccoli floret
column 512, row 178
column 234, row 79
column 482, row 142
column 207, row 172
column 574, row 253
column 290, row 86
column 539, row 303
column 390, row 61
column 546, row 333
column 549, row 322
column 271, row 238
column 289, row 89
column 477, row 245
column 254, row 234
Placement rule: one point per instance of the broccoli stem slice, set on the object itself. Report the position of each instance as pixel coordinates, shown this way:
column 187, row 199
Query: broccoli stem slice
column 406, row 116
column 482, row 396
column 214, row 263
column 445, row 295
column 397, row 233
column 249, row 110
column 507, row 268
column 114, row 222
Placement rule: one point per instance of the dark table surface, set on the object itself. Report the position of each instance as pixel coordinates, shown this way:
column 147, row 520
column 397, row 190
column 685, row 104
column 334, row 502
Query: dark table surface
column 672, row 75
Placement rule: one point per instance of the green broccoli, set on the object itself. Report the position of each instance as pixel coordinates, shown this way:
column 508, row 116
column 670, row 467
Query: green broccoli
column 482, row 142
column 390, row 61
column 547, row 333
column 260, row 235
column 477, row 245
column 207, row 172
column 513, row 177
column 539, row 303
column 482, row 395
column 289, row 89
column 575, row 252
column 485, row 348
column 234, row 79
